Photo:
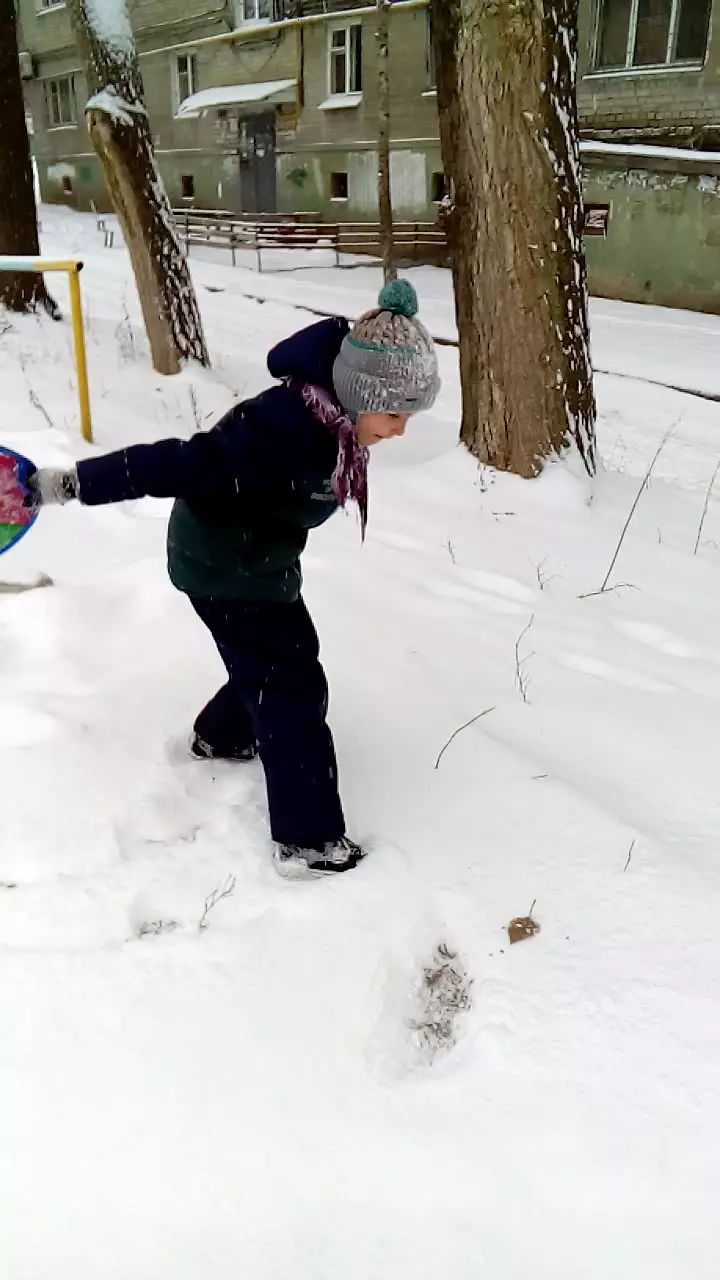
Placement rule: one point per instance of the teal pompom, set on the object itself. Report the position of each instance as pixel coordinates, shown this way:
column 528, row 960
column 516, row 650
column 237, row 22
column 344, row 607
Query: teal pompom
column 399, row 297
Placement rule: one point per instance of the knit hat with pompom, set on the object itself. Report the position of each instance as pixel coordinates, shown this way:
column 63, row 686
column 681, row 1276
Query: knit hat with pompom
column 388, row 363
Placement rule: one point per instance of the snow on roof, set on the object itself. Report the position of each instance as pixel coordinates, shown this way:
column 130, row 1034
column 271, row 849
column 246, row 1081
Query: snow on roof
column 649, row 152
column 234, row 95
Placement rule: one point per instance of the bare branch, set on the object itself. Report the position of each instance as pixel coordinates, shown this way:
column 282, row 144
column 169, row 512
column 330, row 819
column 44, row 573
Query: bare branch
column 705, row 508
column 37, row 403
column 451, row 549
column 454, row 735
column 521, row 677
column 631, row 513
column 216, row 896
column 630, row 854
column 608, row 591
column 195, row 409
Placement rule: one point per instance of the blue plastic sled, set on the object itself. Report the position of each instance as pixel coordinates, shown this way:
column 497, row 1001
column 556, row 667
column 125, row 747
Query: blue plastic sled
column 15, row 517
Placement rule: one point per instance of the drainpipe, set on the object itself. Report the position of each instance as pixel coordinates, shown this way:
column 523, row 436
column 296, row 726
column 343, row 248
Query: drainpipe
column 263, row 30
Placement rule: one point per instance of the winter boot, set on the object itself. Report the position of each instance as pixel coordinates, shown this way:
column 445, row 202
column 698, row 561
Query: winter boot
column 293, row 863
column 203, row 751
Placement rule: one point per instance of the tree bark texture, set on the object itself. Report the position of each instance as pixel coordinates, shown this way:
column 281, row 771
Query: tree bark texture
column 384, row 187
column 120, row 132
column 506, row 78
column 18, row 214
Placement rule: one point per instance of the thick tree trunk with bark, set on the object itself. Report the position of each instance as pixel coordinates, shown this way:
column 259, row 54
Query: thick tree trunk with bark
column 384, row 191
column 120, row 132
column 506, row 77
column 18, row 215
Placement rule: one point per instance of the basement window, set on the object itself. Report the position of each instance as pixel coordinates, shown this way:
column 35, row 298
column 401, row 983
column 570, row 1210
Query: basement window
column 439, row 188
column 67, row 185
column 187, row 186
column 338, row 186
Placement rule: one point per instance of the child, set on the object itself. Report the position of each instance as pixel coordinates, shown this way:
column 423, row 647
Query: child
column 247, row 492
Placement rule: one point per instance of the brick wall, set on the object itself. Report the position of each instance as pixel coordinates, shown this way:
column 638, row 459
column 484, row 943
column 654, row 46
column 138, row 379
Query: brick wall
column 663, row 100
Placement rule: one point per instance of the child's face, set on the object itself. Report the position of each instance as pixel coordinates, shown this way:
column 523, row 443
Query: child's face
column 373, row 427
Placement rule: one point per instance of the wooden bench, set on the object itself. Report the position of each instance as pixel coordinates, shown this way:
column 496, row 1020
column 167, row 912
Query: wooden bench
column 414, row 241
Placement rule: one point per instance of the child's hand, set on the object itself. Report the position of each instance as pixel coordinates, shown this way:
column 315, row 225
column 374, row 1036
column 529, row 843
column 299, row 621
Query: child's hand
column 48, row 487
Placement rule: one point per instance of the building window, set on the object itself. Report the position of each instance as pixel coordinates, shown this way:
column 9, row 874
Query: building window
column 67, row 185
column 49, row 4
column 247, row 11
column 651, row 33
column 187, row 186
column 439, row 188
column 185, row 76
column 346, row 60
column 60, row 101
column 338, row 186
column 430, row 56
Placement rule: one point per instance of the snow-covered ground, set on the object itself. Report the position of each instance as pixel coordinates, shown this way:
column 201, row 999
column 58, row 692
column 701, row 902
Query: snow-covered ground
column 254, row 1098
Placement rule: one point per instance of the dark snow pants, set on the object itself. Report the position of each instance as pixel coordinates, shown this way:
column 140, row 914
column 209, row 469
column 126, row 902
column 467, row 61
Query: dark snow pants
column 277, row 696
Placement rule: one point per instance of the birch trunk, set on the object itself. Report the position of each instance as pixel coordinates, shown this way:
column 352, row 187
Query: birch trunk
column 506, row 78
column 120, row 132
column 384, row 189
column 18, row 214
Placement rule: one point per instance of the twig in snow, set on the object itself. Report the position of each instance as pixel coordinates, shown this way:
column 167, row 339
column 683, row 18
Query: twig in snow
column 631, row 513
column 126, row 336
column 452, row 551
column 542, row 577
column 630, row 854
column 705, row 508
column 608, row 591
column 37, row 403
column 454, row 735
column 521, row 677
column 213, row 898
column 153, row 928
column 195, row 409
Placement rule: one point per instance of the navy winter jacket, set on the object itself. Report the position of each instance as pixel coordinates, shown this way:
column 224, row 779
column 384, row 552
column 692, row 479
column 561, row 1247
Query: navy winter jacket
column 248, row 491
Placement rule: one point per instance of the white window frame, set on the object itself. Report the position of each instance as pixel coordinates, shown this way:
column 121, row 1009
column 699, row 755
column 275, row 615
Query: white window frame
column 47, row 90
column 45, row 6
column 349, row 91
column 192, row 76
column 670, row 59
column 247, row 13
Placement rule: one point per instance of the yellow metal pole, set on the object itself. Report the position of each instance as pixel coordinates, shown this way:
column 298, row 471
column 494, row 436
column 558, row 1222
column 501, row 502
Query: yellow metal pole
column 80, row 357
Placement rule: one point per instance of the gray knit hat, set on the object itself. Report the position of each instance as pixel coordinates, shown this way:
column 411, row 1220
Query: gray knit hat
column 388, row 364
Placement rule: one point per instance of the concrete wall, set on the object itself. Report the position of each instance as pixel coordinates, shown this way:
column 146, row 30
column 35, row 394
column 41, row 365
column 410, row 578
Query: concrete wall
column 663, row 243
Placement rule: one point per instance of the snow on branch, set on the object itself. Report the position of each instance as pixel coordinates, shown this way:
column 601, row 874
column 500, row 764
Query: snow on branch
column 110, row 24
column 112, row 103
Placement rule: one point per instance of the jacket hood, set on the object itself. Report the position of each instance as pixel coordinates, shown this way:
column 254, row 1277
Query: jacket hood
column 310, row 354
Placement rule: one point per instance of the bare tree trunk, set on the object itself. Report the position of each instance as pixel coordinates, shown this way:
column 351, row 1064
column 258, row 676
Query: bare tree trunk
column 18, row 215
column 506, row 73
column 120, row 132
column 384, row 192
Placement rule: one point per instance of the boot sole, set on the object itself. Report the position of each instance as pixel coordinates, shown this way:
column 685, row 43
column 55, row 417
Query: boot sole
column 291, row 869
